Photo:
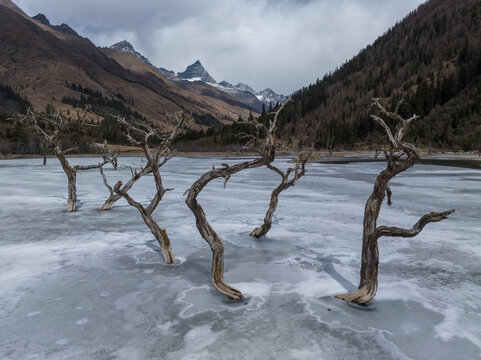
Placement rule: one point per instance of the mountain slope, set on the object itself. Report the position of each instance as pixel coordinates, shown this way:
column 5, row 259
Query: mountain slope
column 432, row 59
column 219, row 101
column 38, row 61
column 196, row 72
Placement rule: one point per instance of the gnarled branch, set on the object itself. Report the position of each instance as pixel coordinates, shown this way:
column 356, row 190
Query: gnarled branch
column 416, row 229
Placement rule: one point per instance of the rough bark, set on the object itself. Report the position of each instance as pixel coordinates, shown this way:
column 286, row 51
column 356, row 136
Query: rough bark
column 298, row 171
column 371, row 232
column 267, row 155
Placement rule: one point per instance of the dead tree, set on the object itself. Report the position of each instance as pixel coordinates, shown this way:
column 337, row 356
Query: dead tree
column 139, row 134
column 267, row 156
column 44, row 147
column 401, row 157
column 297, row 172
column 52, row 128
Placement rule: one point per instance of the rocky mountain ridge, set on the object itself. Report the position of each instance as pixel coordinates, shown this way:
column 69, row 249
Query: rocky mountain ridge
column 63, row 28
column 124, row 45
column 197, row 72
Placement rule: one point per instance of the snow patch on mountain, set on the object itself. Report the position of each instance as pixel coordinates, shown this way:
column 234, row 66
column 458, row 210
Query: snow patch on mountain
column 226, row 84
column 244, row 87
column 268, row 96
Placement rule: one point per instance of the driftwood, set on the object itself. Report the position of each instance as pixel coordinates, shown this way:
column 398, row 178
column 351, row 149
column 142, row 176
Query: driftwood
column 371, row 232
column 139, row 134
column 266, row 157
column 297, row 172
column 52, row 128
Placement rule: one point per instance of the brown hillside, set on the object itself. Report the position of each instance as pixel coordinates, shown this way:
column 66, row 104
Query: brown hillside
column 37, row 63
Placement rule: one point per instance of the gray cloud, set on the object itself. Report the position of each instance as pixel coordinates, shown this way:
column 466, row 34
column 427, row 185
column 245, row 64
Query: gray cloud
column 284, row 44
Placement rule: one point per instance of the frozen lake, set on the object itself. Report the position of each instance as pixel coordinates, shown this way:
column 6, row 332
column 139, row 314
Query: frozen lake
column 93, row 285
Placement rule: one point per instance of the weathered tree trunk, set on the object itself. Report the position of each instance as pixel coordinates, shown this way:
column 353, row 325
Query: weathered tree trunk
column 161, row 237
column 371, row 233
column 209, row 235
column 266, row 226
column 44, row 146
column 370, row 252
column 298, row 172
column 71, row 178
column 72, row 191
column 206, row 230
column 109, row 202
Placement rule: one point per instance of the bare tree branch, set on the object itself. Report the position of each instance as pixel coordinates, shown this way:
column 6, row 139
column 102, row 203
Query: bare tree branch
column 416, row 229
column 143, row 132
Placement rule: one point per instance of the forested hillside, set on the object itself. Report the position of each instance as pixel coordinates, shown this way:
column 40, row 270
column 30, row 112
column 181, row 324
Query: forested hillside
column 432, row 60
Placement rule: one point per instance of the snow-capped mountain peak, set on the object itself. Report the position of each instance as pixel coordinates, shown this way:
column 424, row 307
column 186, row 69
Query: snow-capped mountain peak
column 268, row 96
column 196, row 72
column 124, row 45
column 244, row 87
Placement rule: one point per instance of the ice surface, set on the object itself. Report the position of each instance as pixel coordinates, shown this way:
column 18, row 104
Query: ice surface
column 93, row 285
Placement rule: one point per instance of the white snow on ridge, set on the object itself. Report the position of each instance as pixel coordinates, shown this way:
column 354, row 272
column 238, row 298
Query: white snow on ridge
column 193, row 79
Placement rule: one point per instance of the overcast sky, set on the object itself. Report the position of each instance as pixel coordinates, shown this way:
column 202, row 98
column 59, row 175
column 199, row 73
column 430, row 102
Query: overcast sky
column 281, row 44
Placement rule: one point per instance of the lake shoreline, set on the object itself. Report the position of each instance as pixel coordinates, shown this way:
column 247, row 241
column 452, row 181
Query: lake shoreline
column 319, row 155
